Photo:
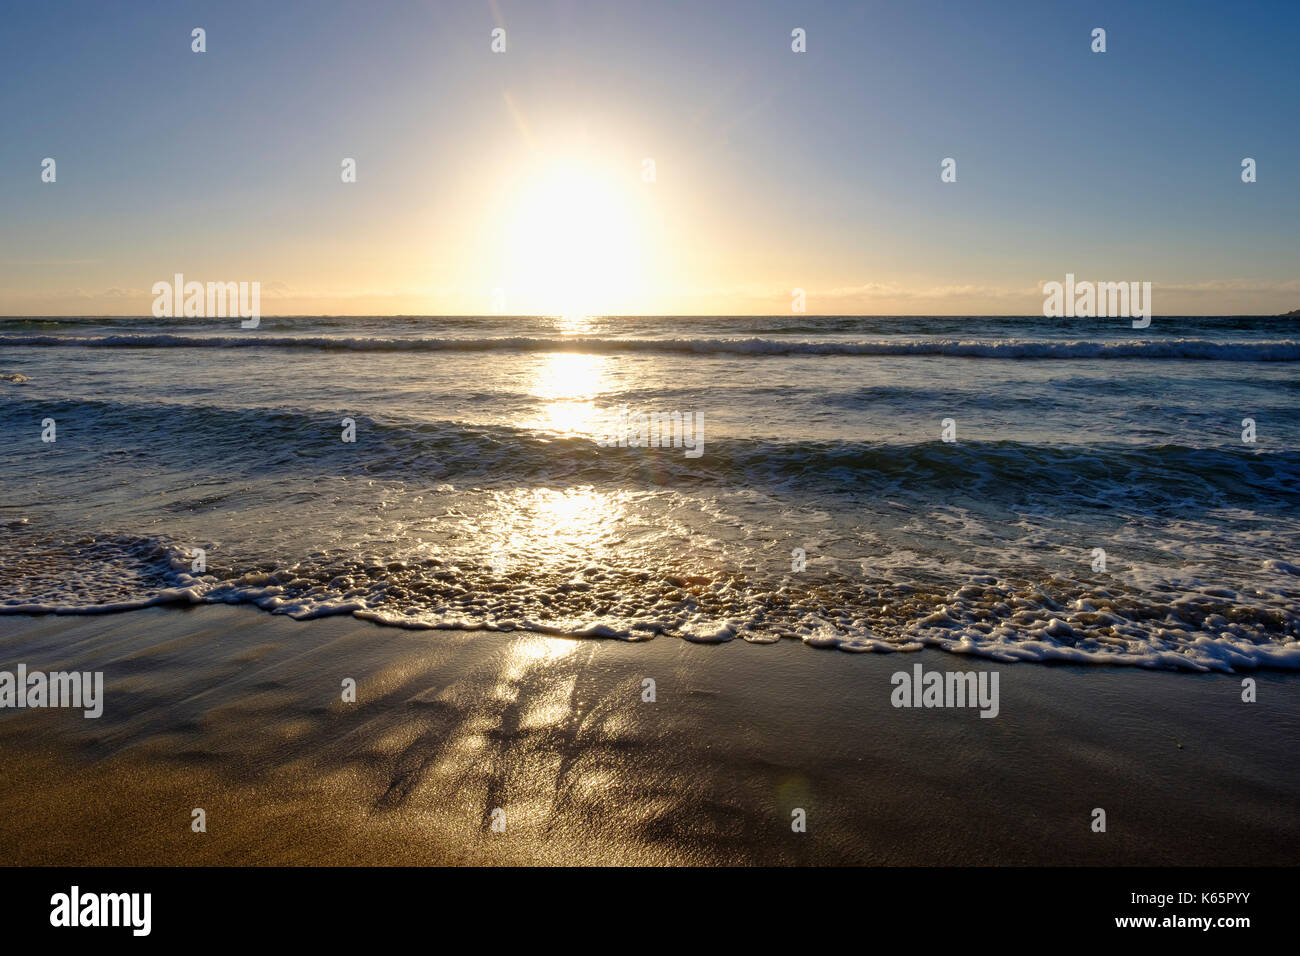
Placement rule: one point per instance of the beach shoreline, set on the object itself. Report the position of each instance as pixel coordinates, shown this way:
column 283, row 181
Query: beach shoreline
column 241, row 713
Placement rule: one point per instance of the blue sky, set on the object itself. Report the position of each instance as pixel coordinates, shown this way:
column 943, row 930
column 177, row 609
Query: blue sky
column 775, row 170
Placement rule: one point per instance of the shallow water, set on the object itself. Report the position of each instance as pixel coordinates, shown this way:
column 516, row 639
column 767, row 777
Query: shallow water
column 476, row 495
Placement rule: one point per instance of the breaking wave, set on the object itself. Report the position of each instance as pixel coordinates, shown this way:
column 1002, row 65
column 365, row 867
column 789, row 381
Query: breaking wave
column 1287, row 350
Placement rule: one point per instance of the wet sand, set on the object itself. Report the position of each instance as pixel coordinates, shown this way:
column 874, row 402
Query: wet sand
column 240, row 713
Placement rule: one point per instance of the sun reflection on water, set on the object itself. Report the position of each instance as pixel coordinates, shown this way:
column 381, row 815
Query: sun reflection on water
column 545, row 528
column 569, row 384
column 575, row 325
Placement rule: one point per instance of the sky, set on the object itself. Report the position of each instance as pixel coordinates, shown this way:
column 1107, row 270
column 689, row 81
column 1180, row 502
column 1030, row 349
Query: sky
column 516, row 182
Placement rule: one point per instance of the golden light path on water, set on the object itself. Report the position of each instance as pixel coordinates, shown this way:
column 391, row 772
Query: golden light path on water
column 546, row 530
column 551, row 534
column 575, row 325
column 556, row 530
column 569, row 383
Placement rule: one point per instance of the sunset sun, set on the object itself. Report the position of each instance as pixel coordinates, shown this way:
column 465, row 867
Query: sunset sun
column 572, row 239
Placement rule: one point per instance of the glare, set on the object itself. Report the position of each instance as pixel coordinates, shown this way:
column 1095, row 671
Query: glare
column 580, row 515
column 569, row 384
column 548, row 527
column 575, row 325
column 571, row 375
column 573, row 239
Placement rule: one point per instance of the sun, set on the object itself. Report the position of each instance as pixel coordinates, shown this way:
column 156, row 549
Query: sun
column 574, row 239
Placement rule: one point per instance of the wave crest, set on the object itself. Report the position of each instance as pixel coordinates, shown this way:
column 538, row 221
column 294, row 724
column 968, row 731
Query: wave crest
column 1183, row 349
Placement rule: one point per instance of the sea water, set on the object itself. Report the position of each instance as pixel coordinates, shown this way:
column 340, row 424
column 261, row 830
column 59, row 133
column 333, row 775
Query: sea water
column 1019, row 488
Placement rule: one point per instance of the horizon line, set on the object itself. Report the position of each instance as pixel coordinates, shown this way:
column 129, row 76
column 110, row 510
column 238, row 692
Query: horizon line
column 656, row 315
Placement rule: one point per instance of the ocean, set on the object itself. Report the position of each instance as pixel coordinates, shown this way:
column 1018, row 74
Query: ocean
column 1017, row 488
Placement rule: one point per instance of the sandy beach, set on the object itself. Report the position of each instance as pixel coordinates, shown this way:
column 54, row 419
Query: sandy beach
column 240, row 713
